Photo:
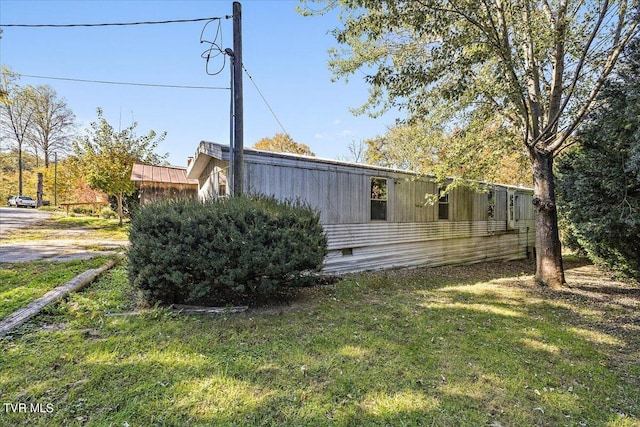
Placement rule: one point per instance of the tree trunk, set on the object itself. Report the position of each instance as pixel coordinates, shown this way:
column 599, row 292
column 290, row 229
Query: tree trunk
column 549, row 270
column 119, row 199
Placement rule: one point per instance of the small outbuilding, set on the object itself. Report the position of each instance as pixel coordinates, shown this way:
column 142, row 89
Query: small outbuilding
column 156, row 183
column 379, row 218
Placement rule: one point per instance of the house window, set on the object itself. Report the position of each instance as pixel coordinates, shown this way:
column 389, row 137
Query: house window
column 491, row 204
column 443, row 205
column 378, row 199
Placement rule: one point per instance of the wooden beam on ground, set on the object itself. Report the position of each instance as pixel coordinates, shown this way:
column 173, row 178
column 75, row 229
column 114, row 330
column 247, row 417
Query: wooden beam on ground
column 188, row 310
column 79, row 282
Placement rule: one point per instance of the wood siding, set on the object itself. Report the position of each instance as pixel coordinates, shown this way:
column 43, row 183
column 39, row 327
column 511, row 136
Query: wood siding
column 154, row 192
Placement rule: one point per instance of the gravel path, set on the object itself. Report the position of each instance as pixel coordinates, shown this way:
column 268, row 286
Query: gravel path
column 58, row 249
column 29, row 236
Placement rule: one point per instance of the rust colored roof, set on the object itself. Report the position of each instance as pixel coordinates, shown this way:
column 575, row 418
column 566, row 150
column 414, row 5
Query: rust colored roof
column 164, row 174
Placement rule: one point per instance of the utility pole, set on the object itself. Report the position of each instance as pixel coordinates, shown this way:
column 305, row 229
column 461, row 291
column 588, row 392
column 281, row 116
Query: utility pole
column 55, row 179
column 39, row 190
column 238, row 130
column 231, row 175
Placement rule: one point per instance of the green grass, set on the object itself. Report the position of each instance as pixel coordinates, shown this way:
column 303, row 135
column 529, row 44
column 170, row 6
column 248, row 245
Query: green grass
column 469, row 346
column 22, row 283
column 106, row 228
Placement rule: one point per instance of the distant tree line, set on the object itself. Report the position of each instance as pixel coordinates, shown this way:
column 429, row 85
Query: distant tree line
column 34, row 120
column 39, row 127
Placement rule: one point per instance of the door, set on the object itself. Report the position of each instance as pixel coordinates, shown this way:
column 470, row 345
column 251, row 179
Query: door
column 511, row 210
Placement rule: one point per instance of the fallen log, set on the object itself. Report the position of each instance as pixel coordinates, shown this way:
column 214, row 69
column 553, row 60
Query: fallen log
column 79, row 282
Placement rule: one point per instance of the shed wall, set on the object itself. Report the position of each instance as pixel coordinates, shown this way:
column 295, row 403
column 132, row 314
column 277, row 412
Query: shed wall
column 152, row 192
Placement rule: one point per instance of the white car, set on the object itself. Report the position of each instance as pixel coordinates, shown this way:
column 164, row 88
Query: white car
column 25, row 202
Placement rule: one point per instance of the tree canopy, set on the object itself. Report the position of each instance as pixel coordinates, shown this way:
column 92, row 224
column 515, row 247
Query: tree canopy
column 16, row 115
column 108, row 156
column 53, row 123
column 283, row 143
column 33, row 119
column 538, row 65
column 534, row 67
column 480, row 153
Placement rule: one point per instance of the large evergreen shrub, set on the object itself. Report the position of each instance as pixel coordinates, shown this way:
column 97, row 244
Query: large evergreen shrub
column 599, row 180
column 226, row 251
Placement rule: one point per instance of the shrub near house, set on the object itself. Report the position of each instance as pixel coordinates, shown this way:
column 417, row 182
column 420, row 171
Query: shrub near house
column 224, row 251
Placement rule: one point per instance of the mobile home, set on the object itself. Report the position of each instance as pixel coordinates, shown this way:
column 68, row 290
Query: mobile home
column 378, row 218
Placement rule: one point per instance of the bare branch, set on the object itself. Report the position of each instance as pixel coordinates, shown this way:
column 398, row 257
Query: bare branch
column 504, row 51
column 547, row 9
column 555, row 117
column 533, row 80
column 555, row 95
column 591, row 100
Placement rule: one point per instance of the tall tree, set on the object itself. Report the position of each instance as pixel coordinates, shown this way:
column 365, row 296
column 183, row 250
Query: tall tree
column 9, row 172
column 283, row 143
column 67, row 182
column 409, row 147
column 536, row 65
column 357, row 151
column 108, row 156
column 602, row 204
column 480, row 151
column 53, row 123
column 16, row 113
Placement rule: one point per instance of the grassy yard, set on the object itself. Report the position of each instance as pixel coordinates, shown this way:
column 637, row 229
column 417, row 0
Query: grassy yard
column 22, row 283
column 451, row 346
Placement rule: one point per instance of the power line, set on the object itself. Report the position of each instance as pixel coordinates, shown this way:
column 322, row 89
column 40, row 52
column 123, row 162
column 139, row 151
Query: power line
column 214, row 50
column 264, row 99
column 113, row 24
column 126, row 83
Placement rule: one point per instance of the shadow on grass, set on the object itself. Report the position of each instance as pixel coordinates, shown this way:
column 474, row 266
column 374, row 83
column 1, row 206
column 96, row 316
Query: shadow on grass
column 66, row 223
column 446, row 347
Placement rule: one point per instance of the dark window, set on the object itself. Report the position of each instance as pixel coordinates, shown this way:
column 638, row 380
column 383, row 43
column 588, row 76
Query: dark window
column 491, row 210
column 378, row 199
column 443, row 206
column 511, row 207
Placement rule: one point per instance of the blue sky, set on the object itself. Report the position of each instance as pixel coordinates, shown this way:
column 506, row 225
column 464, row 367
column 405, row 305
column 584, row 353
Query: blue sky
column 285, row 53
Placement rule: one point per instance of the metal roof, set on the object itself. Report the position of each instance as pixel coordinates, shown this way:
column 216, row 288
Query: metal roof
column 162, row 174
column 207, row 150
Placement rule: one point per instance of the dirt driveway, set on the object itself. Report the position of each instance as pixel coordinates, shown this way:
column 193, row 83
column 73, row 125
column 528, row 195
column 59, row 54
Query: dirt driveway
column 13, row 219
column 52, row 241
